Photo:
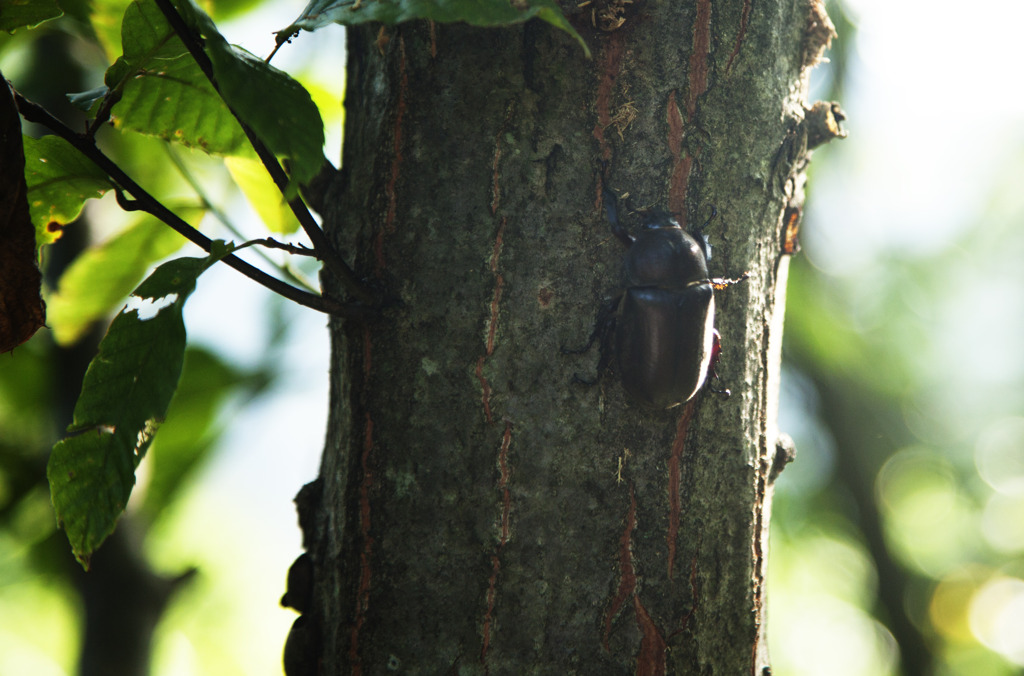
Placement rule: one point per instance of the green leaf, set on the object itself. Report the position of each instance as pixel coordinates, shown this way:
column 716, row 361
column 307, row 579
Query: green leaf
column 124, row 398
column 178, row 104
column 163, row 91
column 319, row 13
column 60, row 179
column 100, row 278
column 118, row 73
column 15, row 14
column 146, row 37
column 276, row 107
column 252, row 178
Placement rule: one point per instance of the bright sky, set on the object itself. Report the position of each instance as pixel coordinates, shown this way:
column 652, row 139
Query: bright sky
column 935, row 103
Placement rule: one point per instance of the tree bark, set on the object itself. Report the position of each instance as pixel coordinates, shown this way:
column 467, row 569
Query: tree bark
column 478, row 512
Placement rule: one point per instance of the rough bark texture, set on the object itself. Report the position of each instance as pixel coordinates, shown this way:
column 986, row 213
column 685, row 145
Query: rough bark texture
column 478, row 512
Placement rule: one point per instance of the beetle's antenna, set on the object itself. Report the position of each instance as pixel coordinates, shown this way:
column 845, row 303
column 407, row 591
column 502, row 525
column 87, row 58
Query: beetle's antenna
column 713, row 216
column 611, row 208
column 701, row 238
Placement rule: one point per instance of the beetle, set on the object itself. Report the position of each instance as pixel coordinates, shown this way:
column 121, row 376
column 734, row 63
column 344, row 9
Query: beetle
column 661, row 325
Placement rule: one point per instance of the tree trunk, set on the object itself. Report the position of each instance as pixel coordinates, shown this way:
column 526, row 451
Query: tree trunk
column 478, row 511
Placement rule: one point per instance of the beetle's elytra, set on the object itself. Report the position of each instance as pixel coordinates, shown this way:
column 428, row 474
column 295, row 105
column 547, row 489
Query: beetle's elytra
column 662, row 322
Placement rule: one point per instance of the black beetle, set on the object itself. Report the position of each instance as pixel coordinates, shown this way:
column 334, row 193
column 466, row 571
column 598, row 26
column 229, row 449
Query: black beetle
column 665, row 342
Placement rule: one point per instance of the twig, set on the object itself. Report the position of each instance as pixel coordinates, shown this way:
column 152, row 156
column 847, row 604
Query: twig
column 278, row 41
column 219, row 214
column 325, row 251
column 142, row 200
column 294, row 249
column 103, row 114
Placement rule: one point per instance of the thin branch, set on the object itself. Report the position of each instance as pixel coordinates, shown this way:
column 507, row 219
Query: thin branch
column 222, row 218
column 278, row 40
column 325, row 251
column 142, row 200
column 294, row 249
column 103, row 114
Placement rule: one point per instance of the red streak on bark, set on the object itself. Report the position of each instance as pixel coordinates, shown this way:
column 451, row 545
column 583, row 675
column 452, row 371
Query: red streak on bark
column 699, row 57
column 492, row 592
column 506, row 509
column 675, row 126
column 485, row 389
column 698, row 84
column 651, row 660
column 363, row 590
column 744, row 20
column 390, row 189
column 694, row 594
column 627, row 575
column 678, row 446
column 492, row 327
column 506, row 495
column 492, row 323
column 762, row 490
column 611, row 60
column 495, row 184
column 759, row 554
column 681, row 162
column 499, row 283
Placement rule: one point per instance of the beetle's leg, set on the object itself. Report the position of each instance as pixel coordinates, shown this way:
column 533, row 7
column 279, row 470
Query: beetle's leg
column 603, row 330
column 590, row 341
column 716, row 355
column 714, row 390
column 579, row 380
column 603, row 326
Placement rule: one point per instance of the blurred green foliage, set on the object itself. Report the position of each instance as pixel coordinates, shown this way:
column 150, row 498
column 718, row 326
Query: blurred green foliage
column 898, row 533
column 100, row 256
column 897, row 545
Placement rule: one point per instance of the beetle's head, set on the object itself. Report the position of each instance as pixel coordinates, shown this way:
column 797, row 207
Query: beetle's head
column 659, row 219
column 656, row 219
column 667, row 257
column 703, row 243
